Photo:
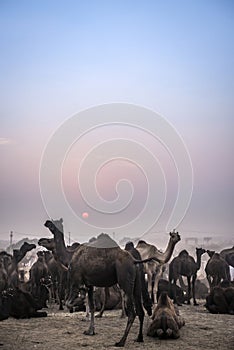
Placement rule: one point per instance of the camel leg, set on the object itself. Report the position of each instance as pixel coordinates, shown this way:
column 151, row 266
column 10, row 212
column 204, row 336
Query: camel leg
column 122, row 295
column 106, row 297
column 189, row 290
column 139, row 308
column 158, row 275
column 131, row 317
column 91, row 331
column 87, row 309
column 62, row 282
column 193, row 286
column 209, row 281
column 149, row 277
column 174, row 293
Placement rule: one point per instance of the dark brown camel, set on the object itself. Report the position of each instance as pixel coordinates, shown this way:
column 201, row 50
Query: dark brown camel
column 3, row 276
column 217, row 269
column 136, row 255
column 62, row 254
column 104, row 266
column 185, row 265
column 38, row 274
column 228, row 255
column 54, row 273
column 221, row 299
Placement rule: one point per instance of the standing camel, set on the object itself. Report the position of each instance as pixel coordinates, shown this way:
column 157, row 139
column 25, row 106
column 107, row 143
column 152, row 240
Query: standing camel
column 3, row 276
column 217, row 269
column 155, row 268
column 62, row 254
column 228, row 255
column 185, row 265
column 104, row 266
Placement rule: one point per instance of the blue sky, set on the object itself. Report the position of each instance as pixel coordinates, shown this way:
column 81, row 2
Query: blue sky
column 175, row 57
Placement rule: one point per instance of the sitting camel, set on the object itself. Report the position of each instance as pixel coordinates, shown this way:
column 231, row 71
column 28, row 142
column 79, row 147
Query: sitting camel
column 217, row 269
column 185, row 265
column 166, row 320
column 12, row 264
column 155, row 268
column 221, row 299
column 103, row 263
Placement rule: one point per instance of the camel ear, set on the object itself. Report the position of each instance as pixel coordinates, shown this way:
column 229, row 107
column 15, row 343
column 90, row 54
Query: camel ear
column 61, row 220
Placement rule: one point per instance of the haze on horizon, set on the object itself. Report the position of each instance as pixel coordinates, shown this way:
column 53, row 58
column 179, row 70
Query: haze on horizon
column 175, row 58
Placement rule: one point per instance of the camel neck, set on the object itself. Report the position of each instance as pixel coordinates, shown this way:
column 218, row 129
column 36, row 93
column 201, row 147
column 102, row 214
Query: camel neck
column 165, row 256
column 60, row 247
column 198, row 260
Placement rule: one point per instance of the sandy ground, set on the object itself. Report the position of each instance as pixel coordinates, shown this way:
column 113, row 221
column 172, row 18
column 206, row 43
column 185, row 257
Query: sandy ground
column 62, row 331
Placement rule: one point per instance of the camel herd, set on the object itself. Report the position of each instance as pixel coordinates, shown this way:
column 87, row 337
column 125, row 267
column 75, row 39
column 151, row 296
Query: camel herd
column 100, row 275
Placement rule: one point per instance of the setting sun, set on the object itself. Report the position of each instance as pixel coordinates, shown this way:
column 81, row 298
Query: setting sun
column 85, row 215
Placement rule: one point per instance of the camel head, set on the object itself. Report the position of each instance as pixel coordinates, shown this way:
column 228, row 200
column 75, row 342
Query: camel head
column 54, row 225
column 129, row 246
column 26, row 247
column 175, row 237
column 47, row 243
column 200, row 251
column 40, row 255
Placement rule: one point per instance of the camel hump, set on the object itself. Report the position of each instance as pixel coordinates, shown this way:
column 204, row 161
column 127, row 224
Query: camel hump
column 183, row 253
column 141, row 242
column 103, row 241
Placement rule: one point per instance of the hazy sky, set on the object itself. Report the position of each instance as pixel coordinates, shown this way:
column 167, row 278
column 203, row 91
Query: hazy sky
column 61, row 57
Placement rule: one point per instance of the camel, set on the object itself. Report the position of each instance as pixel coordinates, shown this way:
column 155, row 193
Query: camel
column 38, row 275
column 7, row 259
column 136, row 255
column 104, row 265
column 62, row 253
column 165, row 286
column 221, row 299
column 54, row 273
column 12, row 269
column 47, row 243
column 217, row 269
column 19, row 304
column 228, row 255
column 185, row 265
column 166, row 320
column 3, row 276
column 154, row 268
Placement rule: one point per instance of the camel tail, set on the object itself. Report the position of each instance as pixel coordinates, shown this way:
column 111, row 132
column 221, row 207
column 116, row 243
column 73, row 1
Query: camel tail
column 147, row 302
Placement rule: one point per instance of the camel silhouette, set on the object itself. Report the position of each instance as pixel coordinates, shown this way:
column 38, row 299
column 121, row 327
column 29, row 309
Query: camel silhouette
column 103, row 263
column 154, row 268
column 185, row 265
